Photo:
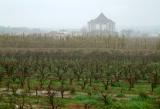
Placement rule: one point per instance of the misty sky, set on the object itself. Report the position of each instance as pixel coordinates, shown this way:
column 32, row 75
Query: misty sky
column 76, row 13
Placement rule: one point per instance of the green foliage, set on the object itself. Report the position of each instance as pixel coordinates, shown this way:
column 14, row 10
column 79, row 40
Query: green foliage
column 2, row 69
column 121, row 84
column 143, row 95
column 140, row 104
column 100, row 67
column 81, row 97
column 4, row 106
column 72, row 90
column 91, row 100
column 120, row 95
column 135, row 103
column 157, row 91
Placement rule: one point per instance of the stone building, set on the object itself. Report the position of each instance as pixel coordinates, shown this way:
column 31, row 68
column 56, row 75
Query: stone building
column 101, row 25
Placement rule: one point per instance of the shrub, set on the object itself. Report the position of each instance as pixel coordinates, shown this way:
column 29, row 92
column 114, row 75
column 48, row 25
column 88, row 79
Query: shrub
column 5, row 106
column 157, row 90
column 120, row 84
column 118, row 105
column 143, row 95
column 106, row 99
column 120, row 95
column 116, row 84
column 72, row 90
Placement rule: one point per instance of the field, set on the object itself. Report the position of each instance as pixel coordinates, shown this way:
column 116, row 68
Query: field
column 82, row 72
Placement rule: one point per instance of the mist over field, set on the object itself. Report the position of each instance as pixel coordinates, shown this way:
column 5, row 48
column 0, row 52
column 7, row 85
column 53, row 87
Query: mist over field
column 79, row 54
column 59, row 14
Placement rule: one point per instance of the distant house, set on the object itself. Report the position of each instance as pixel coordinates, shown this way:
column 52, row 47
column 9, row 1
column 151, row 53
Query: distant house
column 101, row 25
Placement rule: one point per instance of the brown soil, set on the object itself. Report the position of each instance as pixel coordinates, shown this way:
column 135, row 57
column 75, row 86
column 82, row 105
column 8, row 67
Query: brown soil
column 79, row 106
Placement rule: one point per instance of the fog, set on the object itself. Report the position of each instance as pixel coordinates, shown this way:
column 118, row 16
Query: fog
column 76, row 13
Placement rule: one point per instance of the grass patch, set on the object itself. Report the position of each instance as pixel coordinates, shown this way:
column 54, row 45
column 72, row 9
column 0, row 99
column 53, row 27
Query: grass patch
column 120, row 95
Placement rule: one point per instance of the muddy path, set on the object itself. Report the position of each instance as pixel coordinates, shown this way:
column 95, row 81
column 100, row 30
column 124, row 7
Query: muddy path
column 41, row 93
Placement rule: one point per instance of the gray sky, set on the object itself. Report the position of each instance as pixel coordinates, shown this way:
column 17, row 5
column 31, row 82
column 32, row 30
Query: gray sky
column 76, row 13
